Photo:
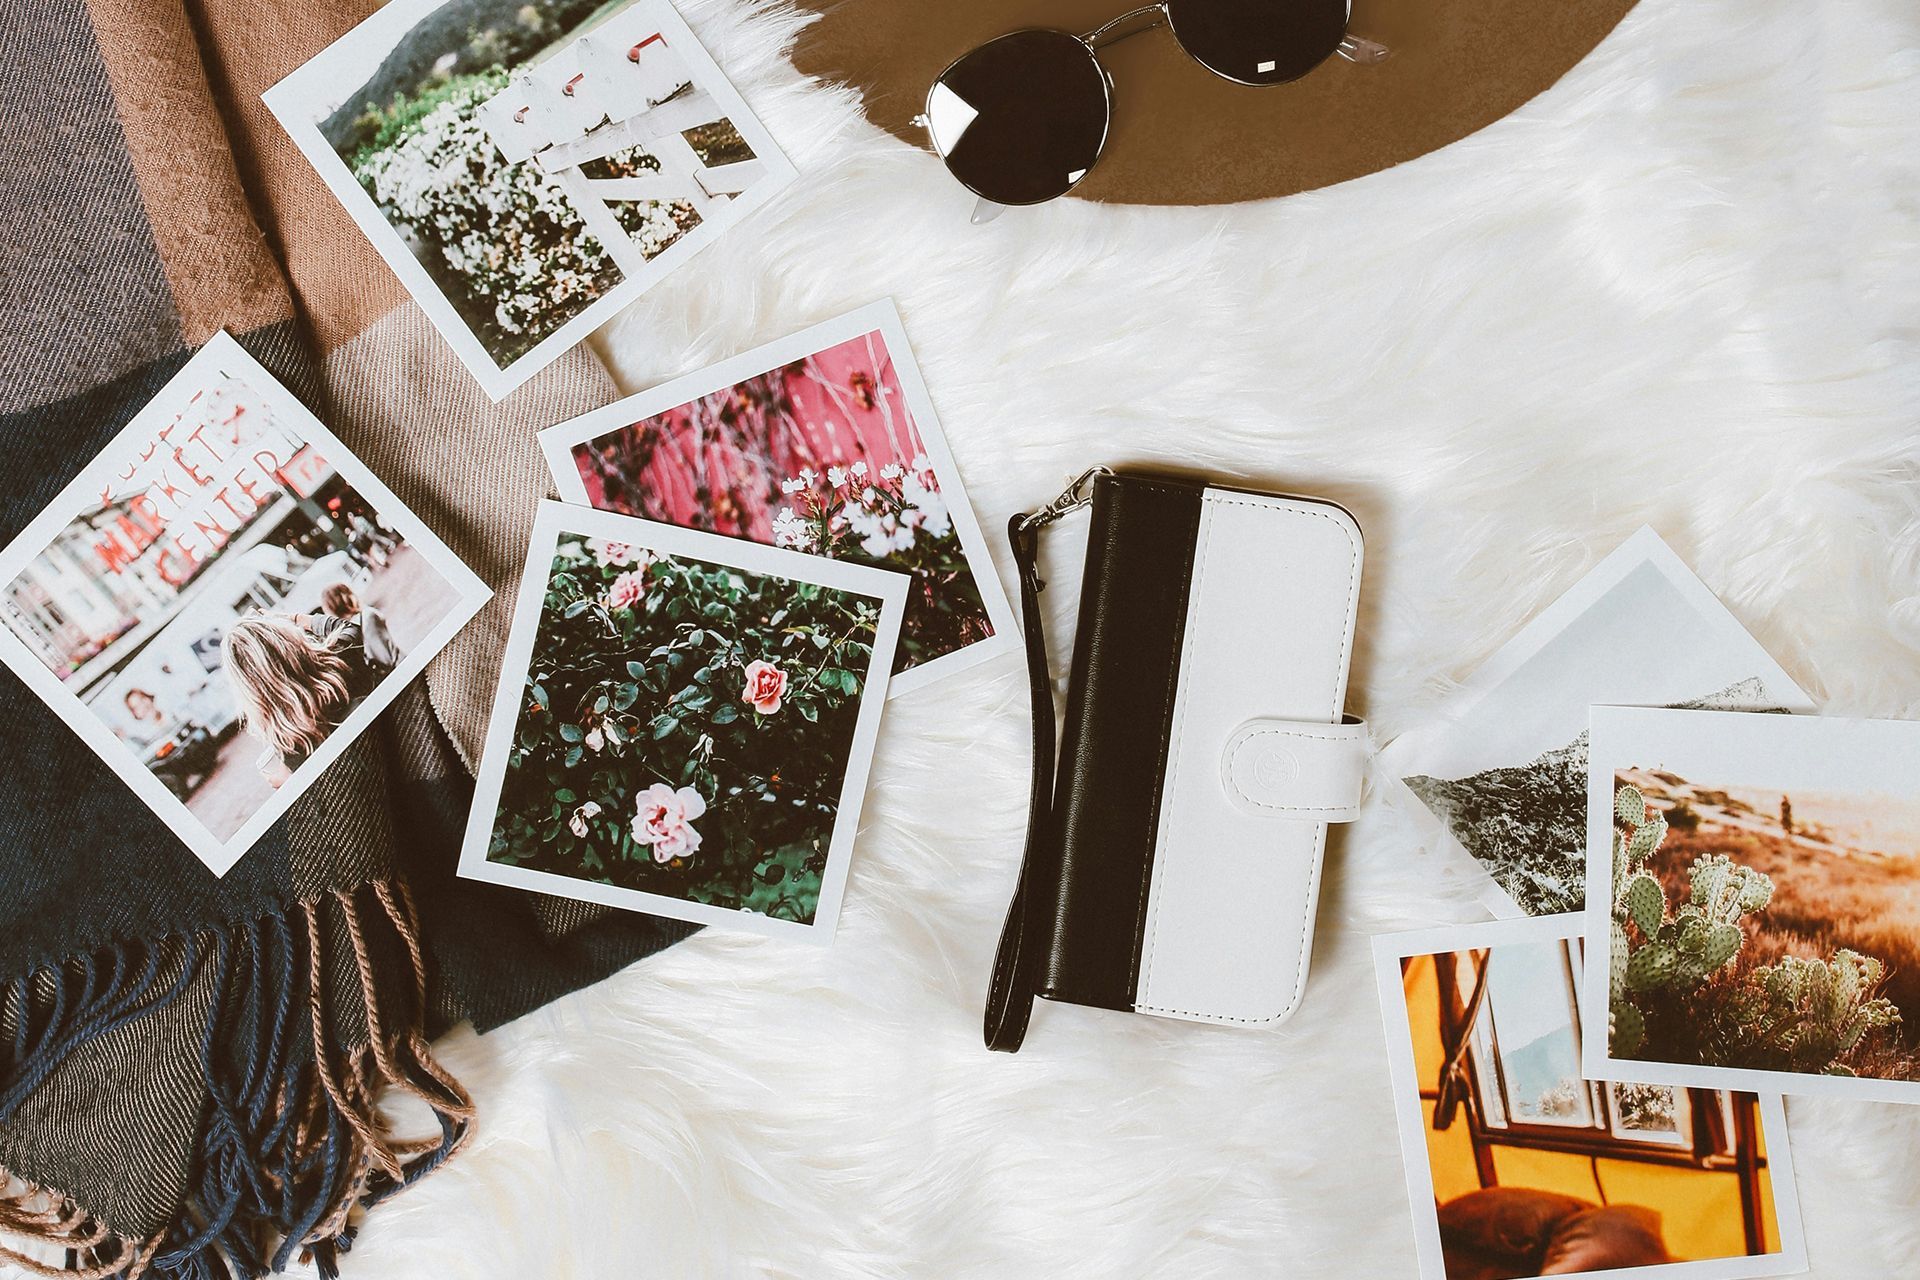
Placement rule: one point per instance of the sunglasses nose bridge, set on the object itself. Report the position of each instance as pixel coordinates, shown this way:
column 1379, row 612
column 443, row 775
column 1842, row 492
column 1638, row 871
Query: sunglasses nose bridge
column 1134, row 22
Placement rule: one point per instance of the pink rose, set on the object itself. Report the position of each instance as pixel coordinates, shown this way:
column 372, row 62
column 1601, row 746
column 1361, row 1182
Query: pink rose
column 664, row 818
column 627, row 590
column 766, row 685
column 617, row 554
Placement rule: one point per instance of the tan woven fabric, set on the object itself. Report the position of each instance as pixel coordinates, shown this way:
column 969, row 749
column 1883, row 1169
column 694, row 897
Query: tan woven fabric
column 470, row 468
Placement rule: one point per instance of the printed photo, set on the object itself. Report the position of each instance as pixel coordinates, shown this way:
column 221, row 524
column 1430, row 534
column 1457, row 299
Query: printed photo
column 224, row 598
column 1758, row 878
column 528, row 167
column 825, row 443
column 684, row 724
column 1519, row 1165
column 1499, row 774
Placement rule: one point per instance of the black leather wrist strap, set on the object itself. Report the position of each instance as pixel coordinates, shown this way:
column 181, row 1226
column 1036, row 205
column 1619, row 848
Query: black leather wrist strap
column 1016, row 963
column 1010, row 995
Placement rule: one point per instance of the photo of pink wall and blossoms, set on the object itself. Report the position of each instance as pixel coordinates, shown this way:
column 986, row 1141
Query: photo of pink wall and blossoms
column 685, row 729
column 820, row 455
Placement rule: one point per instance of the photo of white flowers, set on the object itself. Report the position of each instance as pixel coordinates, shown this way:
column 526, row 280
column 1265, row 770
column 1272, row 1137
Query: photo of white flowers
column 528, row 167
column 684, row 724
column 824, row 442
column 223, row 599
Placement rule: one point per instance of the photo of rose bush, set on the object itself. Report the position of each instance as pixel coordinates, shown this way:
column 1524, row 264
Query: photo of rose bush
column 685, row 729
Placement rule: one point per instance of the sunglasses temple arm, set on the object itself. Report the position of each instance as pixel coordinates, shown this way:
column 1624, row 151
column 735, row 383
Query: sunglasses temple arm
column 986, row 211
column 1126, row 26
column 1365, row 52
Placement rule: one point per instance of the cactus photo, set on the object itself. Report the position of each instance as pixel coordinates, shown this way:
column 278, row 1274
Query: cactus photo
column 1759, row 918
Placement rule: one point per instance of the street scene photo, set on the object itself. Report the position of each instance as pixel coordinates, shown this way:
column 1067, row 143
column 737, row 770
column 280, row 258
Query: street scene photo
column 227, row 598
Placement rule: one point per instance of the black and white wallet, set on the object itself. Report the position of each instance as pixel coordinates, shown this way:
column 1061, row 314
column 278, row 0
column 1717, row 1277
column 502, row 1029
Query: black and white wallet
column 1173, row 858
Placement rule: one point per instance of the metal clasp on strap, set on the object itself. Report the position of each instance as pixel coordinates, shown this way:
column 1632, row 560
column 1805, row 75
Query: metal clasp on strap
column 1024, row 531
column 1076, row 495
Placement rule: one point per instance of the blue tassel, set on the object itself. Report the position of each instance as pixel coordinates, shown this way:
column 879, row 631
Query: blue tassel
column 277, row 1156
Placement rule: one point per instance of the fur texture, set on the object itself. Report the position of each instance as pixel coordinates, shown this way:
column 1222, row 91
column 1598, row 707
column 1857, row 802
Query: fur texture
column 1678, row 288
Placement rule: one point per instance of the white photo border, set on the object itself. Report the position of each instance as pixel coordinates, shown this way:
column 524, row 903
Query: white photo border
column 1390, row 949
column 556, row 519
column 222, row 354
column 1618, row 731
column 558, row 442
column 294, row 102
column 1645, row 548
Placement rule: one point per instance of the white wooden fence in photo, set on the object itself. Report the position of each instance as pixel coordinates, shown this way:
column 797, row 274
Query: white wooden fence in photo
column 661, row 132
column 618, row 88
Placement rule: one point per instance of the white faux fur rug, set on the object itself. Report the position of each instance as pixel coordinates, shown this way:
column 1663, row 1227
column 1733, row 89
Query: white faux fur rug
column 1680, row 288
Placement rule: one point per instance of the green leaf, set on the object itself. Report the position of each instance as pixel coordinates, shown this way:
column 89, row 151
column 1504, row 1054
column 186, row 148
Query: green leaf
column 726, row 713
column 565, row 796
column 663, row 725
column 573, row 755
column 808, row 712
column 571, row 733
column 577, row 608
column 636, row 670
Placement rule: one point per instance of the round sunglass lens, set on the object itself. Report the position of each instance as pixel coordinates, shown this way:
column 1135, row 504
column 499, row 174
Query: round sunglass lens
column 1022, row 118
column 1259, row 41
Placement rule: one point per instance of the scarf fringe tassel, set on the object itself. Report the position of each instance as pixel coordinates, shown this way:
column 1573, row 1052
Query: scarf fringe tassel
column 292, row 1146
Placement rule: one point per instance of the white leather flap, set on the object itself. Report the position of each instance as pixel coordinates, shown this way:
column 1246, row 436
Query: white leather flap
column 1290, row 769
column 1229, row 934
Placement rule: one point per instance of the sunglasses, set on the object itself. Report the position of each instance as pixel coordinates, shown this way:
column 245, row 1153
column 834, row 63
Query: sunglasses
column 1024, row 117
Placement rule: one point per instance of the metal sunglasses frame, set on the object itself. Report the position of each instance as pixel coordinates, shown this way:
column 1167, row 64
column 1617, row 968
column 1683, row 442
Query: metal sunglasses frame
column 1148, row 17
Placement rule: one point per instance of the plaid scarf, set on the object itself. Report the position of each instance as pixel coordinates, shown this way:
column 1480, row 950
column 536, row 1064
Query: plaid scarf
column 189, row 1067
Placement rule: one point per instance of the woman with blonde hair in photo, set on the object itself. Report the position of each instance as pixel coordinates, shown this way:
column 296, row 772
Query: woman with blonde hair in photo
column 293, row 690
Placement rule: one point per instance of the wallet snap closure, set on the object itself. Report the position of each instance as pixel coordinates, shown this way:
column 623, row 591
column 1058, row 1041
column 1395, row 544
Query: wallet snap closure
column 1292, row 769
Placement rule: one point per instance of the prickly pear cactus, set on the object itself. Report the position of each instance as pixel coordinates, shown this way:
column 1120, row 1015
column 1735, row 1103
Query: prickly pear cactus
column 1646, row 905
column 1670, row 950
column 1676, row 964
column 1627, row 1031
column 1803, row 1015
